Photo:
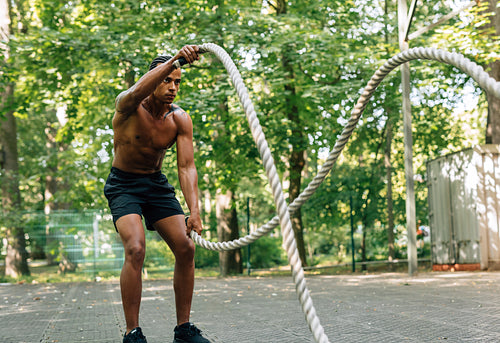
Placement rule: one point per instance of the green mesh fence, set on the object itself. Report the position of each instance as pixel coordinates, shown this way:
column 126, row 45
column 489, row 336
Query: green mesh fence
column 85, row 242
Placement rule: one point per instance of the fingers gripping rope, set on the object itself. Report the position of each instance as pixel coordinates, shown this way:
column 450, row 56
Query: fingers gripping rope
column 457, row 60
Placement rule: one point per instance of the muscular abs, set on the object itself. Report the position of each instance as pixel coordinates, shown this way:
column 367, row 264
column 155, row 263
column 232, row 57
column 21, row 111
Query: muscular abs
column 140, row 141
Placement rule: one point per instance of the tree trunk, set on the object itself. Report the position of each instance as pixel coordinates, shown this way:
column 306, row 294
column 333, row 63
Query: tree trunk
column 297, row 163
column 387, row 155
column 53, row 184
column 297, row 156
column 49, row 204
column 16, row 260
column 230, row 262
column 363, row 249
column 390, row 211
column 493, row 121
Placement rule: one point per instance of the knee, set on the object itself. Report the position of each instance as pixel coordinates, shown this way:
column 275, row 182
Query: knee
column 135, row 253
column 185, row 252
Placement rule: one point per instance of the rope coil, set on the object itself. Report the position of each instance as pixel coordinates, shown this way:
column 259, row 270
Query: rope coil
column 457, row 60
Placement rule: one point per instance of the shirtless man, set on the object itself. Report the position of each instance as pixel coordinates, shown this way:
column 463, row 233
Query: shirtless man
column 147, row 123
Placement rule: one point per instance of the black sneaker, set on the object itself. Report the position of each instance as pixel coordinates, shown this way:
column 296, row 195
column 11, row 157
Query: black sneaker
column 188, row 333
column 135, row 336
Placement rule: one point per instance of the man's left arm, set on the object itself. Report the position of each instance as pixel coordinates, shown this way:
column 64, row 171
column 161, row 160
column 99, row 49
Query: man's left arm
column 188, row 176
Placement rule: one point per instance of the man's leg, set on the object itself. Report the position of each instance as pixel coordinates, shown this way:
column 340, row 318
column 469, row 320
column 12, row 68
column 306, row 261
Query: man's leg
column 132, row 234
column 173, row 232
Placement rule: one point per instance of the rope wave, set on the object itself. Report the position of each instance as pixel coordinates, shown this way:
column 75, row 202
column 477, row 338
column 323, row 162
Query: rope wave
column 486, row 82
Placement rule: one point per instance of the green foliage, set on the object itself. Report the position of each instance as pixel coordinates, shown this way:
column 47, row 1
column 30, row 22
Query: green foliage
column 158, row 254
column 471, row 33
column 205, row 258
column 69, row 60
column 266, row 252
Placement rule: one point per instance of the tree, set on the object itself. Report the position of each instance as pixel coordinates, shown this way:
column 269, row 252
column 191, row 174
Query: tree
column 388, row 147
column 230, row 262
column 303, row 87
column 16, row 260
column 492, row 28
column 304, row 69
column 475, row 33
column 296, row 160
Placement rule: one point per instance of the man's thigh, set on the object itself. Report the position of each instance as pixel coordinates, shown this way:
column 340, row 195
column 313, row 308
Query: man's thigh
column 174, row 232
column 131, row 229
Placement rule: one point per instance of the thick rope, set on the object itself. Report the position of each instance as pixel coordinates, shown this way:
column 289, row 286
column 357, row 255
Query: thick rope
column 279, row 198
column 289, row 243
column 457, row 60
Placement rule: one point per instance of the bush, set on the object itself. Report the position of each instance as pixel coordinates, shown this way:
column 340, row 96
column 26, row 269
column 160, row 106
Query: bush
column 158, row 254
column 205, row 258
column 266, row 252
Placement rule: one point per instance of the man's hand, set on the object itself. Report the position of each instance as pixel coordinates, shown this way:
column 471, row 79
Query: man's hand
column 194, row 223
column 188, row 54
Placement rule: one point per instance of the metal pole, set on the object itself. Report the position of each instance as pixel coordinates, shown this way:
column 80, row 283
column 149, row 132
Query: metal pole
column 404, row 22
column 248, row 232
column 404, row 37
column 95, row 227
column 352, row 237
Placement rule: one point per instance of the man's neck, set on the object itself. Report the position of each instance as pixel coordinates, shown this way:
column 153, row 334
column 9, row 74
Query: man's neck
column 156, row 108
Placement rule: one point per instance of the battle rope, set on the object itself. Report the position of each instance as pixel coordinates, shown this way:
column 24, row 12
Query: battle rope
column 454, row 59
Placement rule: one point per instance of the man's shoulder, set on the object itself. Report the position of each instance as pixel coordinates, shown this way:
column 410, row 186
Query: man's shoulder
column 127, row 104
column 176, row 108
column 178, row 112
column 181, row 119
column 121, row 116
column 124, row 107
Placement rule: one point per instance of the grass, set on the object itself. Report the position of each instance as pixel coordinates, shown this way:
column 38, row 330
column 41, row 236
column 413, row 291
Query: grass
column 343, row 270
column 42, row 273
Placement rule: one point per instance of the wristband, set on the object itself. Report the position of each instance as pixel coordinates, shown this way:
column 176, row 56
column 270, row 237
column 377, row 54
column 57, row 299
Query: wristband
column 176, row 64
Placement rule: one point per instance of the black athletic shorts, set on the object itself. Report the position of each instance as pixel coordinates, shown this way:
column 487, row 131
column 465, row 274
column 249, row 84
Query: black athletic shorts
column 148, row 195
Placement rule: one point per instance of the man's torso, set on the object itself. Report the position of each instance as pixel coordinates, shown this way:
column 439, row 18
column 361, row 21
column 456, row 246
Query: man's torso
column 140, row 141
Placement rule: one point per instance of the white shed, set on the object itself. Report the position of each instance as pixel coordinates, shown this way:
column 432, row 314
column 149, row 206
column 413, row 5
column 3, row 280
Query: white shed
column 464, row 209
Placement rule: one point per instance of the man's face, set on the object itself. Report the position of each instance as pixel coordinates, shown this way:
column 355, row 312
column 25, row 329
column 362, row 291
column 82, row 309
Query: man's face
column 167, row 90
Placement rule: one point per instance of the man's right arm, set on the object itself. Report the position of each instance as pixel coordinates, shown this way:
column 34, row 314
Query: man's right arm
column 128, row 101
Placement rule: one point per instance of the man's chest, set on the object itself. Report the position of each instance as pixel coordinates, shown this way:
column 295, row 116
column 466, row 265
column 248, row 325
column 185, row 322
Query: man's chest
column 153, row 133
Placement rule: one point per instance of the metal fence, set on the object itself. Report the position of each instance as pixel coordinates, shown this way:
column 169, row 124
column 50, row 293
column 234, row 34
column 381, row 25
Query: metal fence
column 87, row 242
column 84, row 242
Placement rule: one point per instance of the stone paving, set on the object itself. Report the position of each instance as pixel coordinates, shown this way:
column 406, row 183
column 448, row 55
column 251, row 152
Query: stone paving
column 431, row 307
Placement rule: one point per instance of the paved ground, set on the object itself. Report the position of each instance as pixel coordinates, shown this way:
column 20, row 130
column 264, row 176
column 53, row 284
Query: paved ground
column 434, row 307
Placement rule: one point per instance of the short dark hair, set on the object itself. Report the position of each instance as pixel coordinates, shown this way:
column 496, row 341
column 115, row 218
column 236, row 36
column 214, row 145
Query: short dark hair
column 159, row 59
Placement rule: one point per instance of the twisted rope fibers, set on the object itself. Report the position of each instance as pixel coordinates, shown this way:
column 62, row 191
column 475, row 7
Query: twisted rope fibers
column 289, row 243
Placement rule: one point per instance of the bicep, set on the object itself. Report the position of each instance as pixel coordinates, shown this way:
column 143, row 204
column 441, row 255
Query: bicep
column 185, row 151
